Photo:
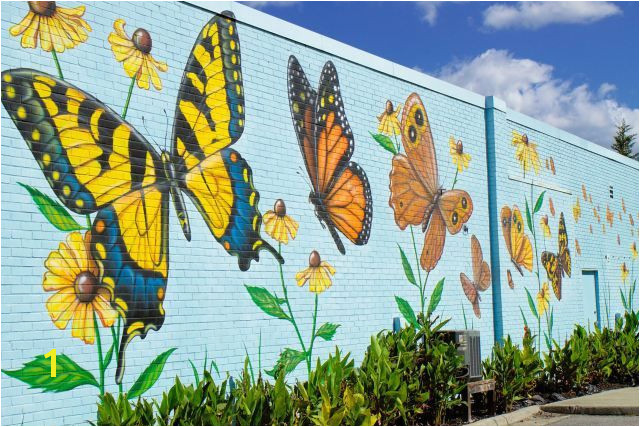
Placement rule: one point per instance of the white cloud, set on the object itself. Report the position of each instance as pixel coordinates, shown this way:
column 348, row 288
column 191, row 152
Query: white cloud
column 429, row 11
column 534, row 15
column 530, row 87
column 263, row 4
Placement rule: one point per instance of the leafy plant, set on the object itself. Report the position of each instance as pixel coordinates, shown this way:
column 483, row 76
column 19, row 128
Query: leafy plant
column 567, row 367
column 121, row 412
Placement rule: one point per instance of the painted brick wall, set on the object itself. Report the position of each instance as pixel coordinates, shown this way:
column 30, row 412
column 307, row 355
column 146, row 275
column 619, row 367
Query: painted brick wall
column 208, row 312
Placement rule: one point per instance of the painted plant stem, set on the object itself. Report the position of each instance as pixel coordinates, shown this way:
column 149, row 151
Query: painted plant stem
column 55, row 59
column 421, row 288
column 313, row 334
column 126, row 104
column 292, row 319
column 535, row 244
column 100, row 359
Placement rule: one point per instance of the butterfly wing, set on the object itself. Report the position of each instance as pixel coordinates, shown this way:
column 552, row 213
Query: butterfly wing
column 409, row 198
column 471, row 292
column 302, row 102
column 209, row 117
column 522, row 251
column 554, row 274
column 456, row 208
column 564, row 256
column 95, row 161
column 417, row 141
column 434, row 240
column 510, row 279
column 481, row 270
column 505, row 223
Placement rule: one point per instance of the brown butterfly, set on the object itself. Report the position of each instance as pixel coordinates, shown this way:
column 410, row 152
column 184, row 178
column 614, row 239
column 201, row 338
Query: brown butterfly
column 590, row 199
column 618, row 239
column 552, row 165
column 609, row 216
column 631, row 220
column 552, row 210
column 578, row 250
column 518, row 243
column 624, row 208
column 481, row 277
column 416, row 195
column 584, row 192
column 590, row 228
column 558, row 264
column 510, row 279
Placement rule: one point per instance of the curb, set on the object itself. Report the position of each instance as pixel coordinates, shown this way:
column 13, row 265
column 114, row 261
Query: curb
column 591, row 410
column 509, row 418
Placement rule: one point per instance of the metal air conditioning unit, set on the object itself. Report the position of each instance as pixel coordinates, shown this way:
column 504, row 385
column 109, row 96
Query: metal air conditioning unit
column 468, row 344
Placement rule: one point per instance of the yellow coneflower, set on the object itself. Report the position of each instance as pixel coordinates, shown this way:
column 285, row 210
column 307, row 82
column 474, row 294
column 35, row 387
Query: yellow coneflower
column 543, row 299
column 544, row 223
column 278, row 224
column 389, row 123
column 79, row 290
column 624, row 272
column 318, row 274
column 634, row 250
column 526, row 152
column 458, row 156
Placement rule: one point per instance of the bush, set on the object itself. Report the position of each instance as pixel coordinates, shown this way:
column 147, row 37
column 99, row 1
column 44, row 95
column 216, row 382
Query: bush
column 514, row 370
column 567, row 367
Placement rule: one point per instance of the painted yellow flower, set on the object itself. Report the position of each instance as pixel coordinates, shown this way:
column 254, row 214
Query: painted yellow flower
column 577, row 211
column 79, row 290
column 318, row 274
column 135, row 54
column 278, row 224
column 57, row 28
column 544, row 223
column 526, row 152
column 624, row 271
column 634, row 250
column 458, row 156
column 389, row 123
column 543, row 299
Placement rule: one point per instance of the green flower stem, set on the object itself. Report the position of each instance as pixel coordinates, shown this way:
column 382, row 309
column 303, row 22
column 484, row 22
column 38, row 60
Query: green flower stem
column 292, row 319
column 535, row 243
column 55, row 59
column 313, row 334
column 415, row 251
column 397, row 143
column 100, row 359
column 455, row 179
column 126, row 104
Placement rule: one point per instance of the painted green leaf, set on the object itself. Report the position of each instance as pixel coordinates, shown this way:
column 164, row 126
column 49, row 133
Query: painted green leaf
column 532, row 306
column 624, row 300
column 539, row 203
column 524, row 319
column 109, row 356
column 267, row 302
column 69, row 375
column 551, row 322
column 407, row 312
column 528, row 212
column 464, row 316
column 288, row 361
column 149, row 376
column 327, row 331
column 547, row 341
column 408, row 271
column 436, row 296
column 55, row 213
column 385, row 142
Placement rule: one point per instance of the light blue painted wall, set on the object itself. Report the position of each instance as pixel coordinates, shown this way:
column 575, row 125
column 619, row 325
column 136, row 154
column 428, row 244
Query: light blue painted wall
column 207, row 307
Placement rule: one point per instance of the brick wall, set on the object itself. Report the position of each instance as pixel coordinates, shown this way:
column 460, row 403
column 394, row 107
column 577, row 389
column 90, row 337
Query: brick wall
column 207, row 309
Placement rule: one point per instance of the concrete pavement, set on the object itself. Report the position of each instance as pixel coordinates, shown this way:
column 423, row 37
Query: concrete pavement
column 623, row 401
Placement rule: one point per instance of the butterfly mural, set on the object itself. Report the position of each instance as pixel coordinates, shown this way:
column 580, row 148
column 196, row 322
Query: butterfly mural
column 340, row 191
column 416, row 195
column 518, row 243
column 481, row 277
column 96, row 162
column 510, row 280
column 558, row 264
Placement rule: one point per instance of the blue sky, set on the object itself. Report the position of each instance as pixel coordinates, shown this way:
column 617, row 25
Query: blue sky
column 572, row 64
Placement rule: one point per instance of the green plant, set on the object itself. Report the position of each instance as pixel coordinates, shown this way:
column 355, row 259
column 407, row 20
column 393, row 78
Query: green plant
column 122, row 412
column 514, row 370
column 567, row 367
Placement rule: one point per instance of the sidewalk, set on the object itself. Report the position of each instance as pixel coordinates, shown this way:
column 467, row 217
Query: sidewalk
column 622, row 401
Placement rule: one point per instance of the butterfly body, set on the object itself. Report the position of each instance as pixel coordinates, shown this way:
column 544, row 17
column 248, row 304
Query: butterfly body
column 340, row 194
column 417, row 198
column 96, row 162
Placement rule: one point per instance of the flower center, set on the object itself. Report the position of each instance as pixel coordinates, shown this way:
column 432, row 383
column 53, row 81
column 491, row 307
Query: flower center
column 314, row 259
column 43, row 8
column 459, row 149
column 280, row 208
column 525, row 139
column 86, row 286
column 142, row 40
column 389, row 107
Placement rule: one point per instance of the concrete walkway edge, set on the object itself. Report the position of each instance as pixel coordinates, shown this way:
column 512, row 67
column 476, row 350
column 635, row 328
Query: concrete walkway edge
column 623, row 401
column 509, row 418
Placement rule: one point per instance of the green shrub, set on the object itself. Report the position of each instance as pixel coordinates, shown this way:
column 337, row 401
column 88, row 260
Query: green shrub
column 124, row 413
column 567, row 367
column 514, row 370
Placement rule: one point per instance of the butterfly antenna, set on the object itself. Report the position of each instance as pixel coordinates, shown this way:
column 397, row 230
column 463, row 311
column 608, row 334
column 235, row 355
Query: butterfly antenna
column 166, row 128
column 144, row 124
column 304, row 177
